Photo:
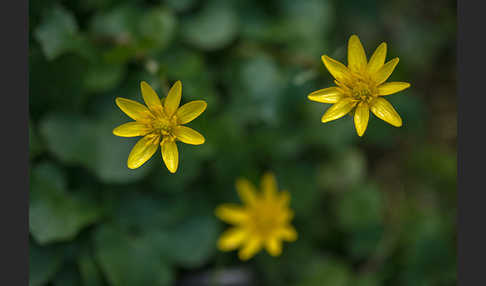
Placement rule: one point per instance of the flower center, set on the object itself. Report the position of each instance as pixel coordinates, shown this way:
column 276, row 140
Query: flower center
column 265, row 219
column 363, row 91
column 164, row 126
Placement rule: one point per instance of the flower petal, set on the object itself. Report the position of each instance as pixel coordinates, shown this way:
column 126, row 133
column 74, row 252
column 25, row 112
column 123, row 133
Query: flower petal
column 173, row 99
column 384, row 73
column 250, row 248
column 377, row 59
column 286, row 215
column 288, row 233
column 170, row 154
column 356, row 54
column 326, row 95
column 231, row 239
column 190, row 110
column 151, row 98
column 231, row 213
column 338, row 110
column 337, row 69
column 361, row 117
column 385, row 111
column 269, row 185
column 132, row 129
column 273, row 246
column 143, row 150
column 188, row 135
column 133, row 109
column 246, row 190
column 392, row 87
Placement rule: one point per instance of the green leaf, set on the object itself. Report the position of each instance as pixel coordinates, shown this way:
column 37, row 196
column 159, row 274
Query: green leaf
column 192, row 242
column 301, row 28
column 54, row 214
column 263, row 84
column 325, row 271
column 96, row 5
column 359, row 213
column 67, row 94
column 156, row 30
column 181, row 63
column 435, row 165
column 347, row 169
column 116, row 24
column 429, row 252
column 131, row 259
column 90, row 273
column 367, row 279
column 182, row 236
column 78, row 140
column 117, row 28
column 57, row 34
column 363, row 242
column 190, row 167
column 110, row 164
column 148, row 211
column 359, row 208
column 181, row 5
column 411, row 107
column 336, row 135
column 213, row 27
column 68, row 276
column 69, row 137
column 301, row 183
column 44, row 263
column 103, row 76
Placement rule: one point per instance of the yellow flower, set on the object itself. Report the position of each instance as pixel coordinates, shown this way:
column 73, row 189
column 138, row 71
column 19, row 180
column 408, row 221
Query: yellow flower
column 160, row 122
column 264, row 220
column 360, row 86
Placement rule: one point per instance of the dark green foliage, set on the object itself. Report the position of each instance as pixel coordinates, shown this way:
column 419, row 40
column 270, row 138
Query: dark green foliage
column 376, row 210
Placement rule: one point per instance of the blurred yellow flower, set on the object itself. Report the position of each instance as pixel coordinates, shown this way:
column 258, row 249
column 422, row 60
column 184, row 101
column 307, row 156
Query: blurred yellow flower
column 160, row 122
column 360, row 85
column 264, row 220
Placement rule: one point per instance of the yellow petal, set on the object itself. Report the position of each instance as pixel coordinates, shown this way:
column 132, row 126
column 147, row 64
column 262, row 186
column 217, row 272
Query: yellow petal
column 231, row 213
column 361, row 117
column 385, row 111
column 392, row 87
column 231, row 239
column 356, row 54
column 246, row 190
column 273, row 246
column 286, row 215
column 132, row 129
column 135, row 110
column 326, row 95
column 288, row 233
column 269, row 185
column 170, row 154
column 337, row 69
column 377, row 59
column 173, row 99
column 338, row 110
column 190, row 110
column 384, row 73
column 150, row 97
column 188, row 135
column 250, row 248
column 143, row 150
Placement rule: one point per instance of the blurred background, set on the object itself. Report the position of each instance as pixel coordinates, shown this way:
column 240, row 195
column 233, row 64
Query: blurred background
column 377, row 210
